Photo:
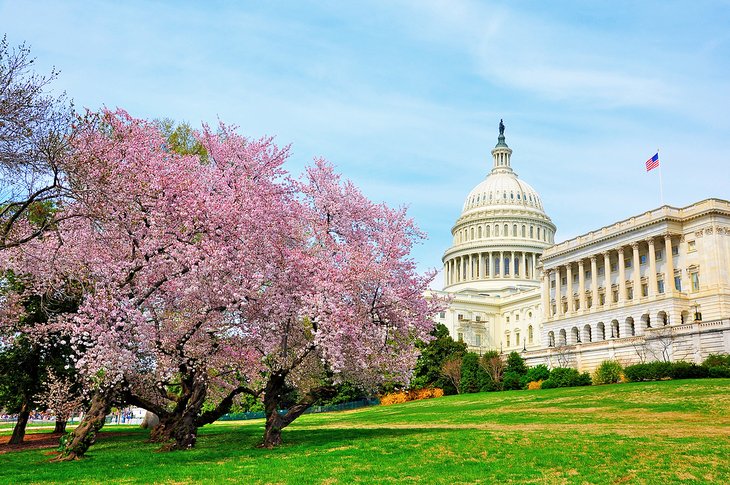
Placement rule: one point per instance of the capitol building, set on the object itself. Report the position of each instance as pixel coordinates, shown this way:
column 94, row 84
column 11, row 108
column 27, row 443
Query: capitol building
column 655, row 286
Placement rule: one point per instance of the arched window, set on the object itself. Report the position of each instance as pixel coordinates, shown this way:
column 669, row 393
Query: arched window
column 479, row 232
column 538, row 233
column 496, row 230
column 489, row 228
column 532, row 232
column 529, row 334
column 514, row 230
column 506, row 230
column 472, row 233
column 523, row 231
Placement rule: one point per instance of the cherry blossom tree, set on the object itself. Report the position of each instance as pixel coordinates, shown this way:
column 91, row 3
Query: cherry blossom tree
column 207, row 277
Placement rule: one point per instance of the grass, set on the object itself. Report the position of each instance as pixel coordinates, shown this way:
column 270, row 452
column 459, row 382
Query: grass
column 661, row 432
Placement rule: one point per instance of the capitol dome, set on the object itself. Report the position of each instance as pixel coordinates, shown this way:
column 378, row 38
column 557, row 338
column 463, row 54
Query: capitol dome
column 502, row 231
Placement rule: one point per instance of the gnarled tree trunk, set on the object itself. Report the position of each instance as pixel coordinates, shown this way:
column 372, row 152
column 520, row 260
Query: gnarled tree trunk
column 275, row 422
column 19, row 429
column 79, row 440
column 179, row 429
column 60, row 426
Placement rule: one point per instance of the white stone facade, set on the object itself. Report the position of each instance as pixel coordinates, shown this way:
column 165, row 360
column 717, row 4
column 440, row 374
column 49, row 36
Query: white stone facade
column 652, row 287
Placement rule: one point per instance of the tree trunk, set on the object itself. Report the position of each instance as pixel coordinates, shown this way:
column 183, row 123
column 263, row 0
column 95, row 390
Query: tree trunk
column 79, row 440
column 19, row 430
column 60, row 426
column 179, row 430
column 272, row 433
column 275, row 422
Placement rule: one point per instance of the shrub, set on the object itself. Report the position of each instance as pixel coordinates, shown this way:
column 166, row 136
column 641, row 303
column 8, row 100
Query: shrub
column 537, row 373
column 516, row 364
column 609, row 372
column 531, row 386
column 566, row 377
column 654, row 371
column 472, row 375
column 687, row 370
column 411, row 395
column 510, row 381
column 717, row 360
column 718, row 371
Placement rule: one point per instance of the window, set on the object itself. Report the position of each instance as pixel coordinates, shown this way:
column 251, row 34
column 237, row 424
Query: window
column 678, row 283
column 478, row 318
column 588, row 274
column 478, row 340
column 529, row 333
column 508, row 342
column 496, row 231
column 615, row 296
column 694, row 277
column 479, row 232
column 627, row 263
column 460, row 337
column 507, row 319
column 659, row 254
column 614, row 266
column 529, row 315
column 630, row 292
column 642, row 259
column 552, row 283
column 644, row 289
column 517, row 338
column 506, row 230
column 564, row 280
column 601, row 271
column 489, row 228
column 523, row 231
column 675, row 250
column 517, row 318
column 460, row 317
column 691, row 246
column 575, row 278
column 514, row 230
column 589, row 302
column 660, row 286
column 602, row 299
column 532, row 232
column 442, row 315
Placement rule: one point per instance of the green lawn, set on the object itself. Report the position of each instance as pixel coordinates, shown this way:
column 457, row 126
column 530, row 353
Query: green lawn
column 663, row 432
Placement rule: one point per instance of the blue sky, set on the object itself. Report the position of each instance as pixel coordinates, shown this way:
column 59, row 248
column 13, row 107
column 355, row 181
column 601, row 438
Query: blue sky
column 404, row 97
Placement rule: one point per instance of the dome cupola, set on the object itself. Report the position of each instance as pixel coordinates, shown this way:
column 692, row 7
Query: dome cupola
column 502, row 230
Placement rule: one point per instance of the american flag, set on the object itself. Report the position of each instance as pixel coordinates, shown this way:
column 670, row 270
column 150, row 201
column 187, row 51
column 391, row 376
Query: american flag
column 653, row 162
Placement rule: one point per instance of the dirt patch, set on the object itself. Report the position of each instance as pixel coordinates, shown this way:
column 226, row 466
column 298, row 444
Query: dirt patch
column 31, row 442
column 37, row 441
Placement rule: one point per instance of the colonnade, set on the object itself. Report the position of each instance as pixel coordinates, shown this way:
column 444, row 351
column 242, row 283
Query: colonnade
column 491, row 264
column 566, row 300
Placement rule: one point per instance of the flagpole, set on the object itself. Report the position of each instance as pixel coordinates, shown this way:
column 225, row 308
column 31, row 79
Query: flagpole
column 661, row 189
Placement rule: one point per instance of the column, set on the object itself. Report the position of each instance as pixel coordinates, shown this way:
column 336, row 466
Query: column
column 594, row 281
column 581, row 285
column 480, row 266
column 534, row 266
column 446, row 273
column 569, row 290
column 512, row 271
column 558, row 296
column 621, row 276
column 487, row 263
column 523, row 266
column 607, row 278
column 545, row 286
column 669, row 275
column 470, row 271
column 651, row 277
column 637, row 271
column 501, row 263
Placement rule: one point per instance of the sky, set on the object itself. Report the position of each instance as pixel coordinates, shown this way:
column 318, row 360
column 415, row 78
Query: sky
column 404, row 97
